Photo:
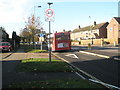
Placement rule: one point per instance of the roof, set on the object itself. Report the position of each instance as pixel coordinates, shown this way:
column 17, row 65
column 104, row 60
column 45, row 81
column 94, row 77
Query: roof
column 117, row 19
column 97, row 26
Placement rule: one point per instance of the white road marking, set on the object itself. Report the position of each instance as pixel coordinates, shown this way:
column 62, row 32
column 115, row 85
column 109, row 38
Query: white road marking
column 71, row 55
column 104, row 56
column 80, row 76
column 106, row 84
column 116, row 59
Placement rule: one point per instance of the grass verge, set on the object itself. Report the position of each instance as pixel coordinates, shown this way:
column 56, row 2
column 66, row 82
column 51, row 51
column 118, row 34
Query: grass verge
column 59, row 83
column 31, row 49
column 43, row 65
column 37, row 51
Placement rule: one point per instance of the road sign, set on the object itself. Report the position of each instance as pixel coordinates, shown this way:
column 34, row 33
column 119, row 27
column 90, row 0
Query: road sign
column 49, row 12
column 49, row 15
column 41, row 35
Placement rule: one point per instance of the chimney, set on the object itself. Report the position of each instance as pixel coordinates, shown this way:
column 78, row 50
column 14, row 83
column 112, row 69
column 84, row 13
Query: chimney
column 94, row 23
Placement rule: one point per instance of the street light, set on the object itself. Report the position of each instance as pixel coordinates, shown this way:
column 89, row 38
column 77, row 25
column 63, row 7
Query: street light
column 49, row 3
column 34, row 9
column 89, row 44
column 39, row 6
column 34, row 23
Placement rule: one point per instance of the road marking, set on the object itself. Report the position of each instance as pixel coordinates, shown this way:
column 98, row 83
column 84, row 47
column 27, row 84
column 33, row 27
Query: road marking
column 80, row 76
column 71, row 55
column 116, row 59
column 104, row 56
column 106, row 84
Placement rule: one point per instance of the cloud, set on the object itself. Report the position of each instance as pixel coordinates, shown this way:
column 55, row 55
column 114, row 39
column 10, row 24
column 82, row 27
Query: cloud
column 13, row 10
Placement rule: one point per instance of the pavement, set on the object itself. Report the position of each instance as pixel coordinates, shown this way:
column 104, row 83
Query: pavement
column 10, row 74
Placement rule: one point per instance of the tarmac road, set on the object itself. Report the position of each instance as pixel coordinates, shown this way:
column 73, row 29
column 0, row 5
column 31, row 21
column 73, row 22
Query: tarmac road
column 104, row 69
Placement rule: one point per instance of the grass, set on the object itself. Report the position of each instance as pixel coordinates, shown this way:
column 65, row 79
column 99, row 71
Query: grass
column 29, row 49
column 43, row 65
column 59, row 83
column 37, row 51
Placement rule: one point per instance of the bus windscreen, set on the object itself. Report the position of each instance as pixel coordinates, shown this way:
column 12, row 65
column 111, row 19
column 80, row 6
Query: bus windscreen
column 62, row 37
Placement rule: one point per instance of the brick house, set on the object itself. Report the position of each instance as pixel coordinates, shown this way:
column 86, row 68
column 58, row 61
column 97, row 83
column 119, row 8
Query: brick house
column 95, row 31
column 113, row 30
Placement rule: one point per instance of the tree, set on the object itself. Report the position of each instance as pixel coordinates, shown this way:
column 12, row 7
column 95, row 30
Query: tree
column 2, row 29
column 15, row 39
column 34, row 26
column 25, row 35
column 14, row 35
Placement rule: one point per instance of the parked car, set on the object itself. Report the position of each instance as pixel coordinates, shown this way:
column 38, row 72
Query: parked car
column 5, row 46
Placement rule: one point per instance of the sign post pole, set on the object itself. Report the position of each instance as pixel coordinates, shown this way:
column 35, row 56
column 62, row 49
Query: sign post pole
column 49, row 17
column 41, row 39
column 41, row 45
column 49, row 43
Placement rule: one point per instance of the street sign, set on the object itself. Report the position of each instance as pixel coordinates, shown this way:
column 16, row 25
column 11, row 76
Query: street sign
column 41, row 35
column 49, row 15
column 49, row 12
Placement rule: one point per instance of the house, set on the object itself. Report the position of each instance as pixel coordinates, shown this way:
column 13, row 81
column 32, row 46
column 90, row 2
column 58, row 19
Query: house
column 4, row 36
column 113, row 30
column 95, row 31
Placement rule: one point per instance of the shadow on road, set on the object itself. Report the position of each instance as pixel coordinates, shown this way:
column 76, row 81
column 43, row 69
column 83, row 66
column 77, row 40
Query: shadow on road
column 105, row 70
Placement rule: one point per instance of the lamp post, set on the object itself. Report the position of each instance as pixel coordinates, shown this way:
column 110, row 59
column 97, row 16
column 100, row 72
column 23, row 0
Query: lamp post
column 89, row 44
column 41, row 36
column 34, row 44
column 49, row 34
column 35, row 7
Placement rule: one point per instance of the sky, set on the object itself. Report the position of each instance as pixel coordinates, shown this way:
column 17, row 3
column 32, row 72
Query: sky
column 68, row 14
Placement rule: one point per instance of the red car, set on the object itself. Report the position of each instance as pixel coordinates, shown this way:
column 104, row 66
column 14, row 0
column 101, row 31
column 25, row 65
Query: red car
column 5, row 46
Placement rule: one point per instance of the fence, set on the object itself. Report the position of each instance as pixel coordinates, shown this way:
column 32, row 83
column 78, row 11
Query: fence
column 91, row 41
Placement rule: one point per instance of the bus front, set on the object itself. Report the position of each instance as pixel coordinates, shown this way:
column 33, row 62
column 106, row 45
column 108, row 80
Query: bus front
column 61, row 41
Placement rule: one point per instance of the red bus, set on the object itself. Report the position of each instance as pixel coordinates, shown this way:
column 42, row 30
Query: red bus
column 61, row 41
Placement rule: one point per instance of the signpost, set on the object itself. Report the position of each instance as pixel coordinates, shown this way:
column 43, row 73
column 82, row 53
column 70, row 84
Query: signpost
column 41, row 39
column 49, row 16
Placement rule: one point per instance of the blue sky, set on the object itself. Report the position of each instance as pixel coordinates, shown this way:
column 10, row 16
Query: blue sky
column 68, row 15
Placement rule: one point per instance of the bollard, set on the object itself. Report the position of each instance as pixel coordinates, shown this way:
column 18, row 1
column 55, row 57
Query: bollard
column 101, row 43
column 89, row 46
column 114, row 43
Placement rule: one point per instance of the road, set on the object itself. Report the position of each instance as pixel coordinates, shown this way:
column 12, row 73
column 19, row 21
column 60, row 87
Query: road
column 104, row 69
